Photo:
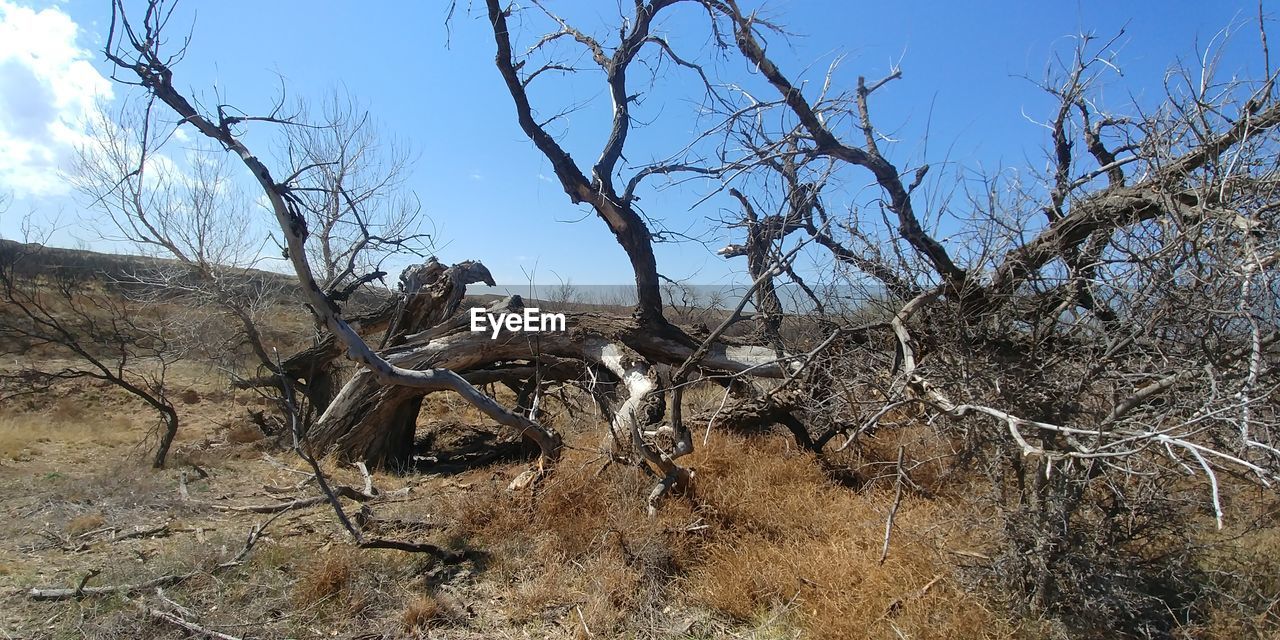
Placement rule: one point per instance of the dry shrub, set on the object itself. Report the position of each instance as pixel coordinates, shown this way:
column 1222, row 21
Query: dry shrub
column 583, row 543
column 244, row 432
column 429, row 610
column 766, row 532
column 68, row 409
column 326, row 579
column 83, row 524
column 786, row 539
column 1244, row 574
column 345, row 586
column 17, row 437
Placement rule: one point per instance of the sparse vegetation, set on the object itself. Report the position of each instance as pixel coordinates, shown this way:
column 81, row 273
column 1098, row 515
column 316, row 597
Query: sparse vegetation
column 1059, row 421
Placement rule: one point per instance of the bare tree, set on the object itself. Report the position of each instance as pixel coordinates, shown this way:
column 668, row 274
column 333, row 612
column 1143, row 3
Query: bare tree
column 1111, row 321
column 188, row 211
column 88, row 331
column 350, row 184
column 141, row 52
column 192, row 211
column 1091, row 337
column 1108, row 320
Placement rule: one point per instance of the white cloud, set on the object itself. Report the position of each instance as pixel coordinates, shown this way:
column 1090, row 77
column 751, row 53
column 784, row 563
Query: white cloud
column 48, row 89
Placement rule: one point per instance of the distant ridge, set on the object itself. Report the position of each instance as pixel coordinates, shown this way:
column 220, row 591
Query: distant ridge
column 34, row 259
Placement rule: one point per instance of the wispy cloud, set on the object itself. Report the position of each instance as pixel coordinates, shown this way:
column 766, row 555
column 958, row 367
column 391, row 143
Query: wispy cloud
column 544, row 178
column 48, row 90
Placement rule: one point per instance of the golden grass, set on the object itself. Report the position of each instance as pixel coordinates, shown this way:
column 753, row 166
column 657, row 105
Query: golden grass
column 425, row 611
column 765, row 537
column 788, row 540
column 327, row 577
column 83, row 524
column 421, row 613
column 22, row 434
column 766, row 546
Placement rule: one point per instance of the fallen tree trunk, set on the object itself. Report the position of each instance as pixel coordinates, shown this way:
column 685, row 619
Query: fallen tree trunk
column 372, row 423
column 429, row 293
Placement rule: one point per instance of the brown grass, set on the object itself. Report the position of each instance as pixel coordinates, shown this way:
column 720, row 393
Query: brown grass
column 421, row 613
column 431, row 610
column 790, row 541
column 326, row 579
column 766, row 537
column 83, row 524
column 244, row 432
column 25, row 436
column 767, row 545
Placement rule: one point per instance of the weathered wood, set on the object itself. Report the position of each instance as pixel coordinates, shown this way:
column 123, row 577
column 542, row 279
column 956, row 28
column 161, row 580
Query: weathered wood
column 83, row 591
column 378, row 428
column 368, row 422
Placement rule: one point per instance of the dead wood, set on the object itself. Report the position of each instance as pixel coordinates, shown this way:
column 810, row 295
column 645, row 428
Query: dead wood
column 124, row 589
column 50, row 593
column 186, row 625
column 356, row 424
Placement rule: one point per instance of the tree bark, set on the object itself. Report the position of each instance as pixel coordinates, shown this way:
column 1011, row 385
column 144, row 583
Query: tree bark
column 378, row 428
column 360, row 423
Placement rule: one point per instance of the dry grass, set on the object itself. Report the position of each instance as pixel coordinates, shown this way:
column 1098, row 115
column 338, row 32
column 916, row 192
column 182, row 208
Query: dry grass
column 83, row 524
column 327, row 579
column 244, row 432
column 766, row 537
column 790, row 541
column 429, row 611
column 23, row 436
column 767, row 546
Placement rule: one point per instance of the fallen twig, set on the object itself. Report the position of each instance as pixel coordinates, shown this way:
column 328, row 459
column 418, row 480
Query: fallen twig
column 187, row 625
column 162, row 530
column 368, row 479
column 38, row 593
column 301, row 503
column 896, row 606
column 82, row 591
column 893, row 511
column 442, row 554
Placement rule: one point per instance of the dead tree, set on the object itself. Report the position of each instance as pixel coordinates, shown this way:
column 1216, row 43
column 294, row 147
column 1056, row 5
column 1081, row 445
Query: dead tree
column 101, row 334
column 348, row 187
column 140, row 52
column 636, row 421
column 1113, row 326
column 195, row 220
column 378, row 428
column 1109, row 333
column 432, row 358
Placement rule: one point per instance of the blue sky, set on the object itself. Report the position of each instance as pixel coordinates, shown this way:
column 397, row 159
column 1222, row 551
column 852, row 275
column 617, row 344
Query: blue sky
column 482, row 184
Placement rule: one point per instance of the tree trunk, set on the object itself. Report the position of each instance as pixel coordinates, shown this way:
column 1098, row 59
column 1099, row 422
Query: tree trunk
column 170, row 420
column 379, row 427
column 359, row 426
